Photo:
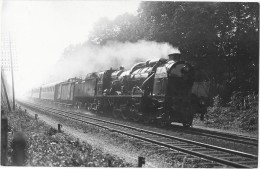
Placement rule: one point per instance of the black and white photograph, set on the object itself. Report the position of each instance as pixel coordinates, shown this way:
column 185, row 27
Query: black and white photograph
column 129, row 84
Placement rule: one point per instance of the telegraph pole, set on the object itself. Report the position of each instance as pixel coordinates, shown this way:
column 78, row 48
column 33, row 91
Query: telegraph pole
column 8, row 62
column 6, row 96
column 11, row 57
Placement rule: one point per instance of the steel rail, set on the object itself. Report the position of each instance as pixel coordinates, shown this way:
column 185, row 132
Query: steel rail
column 222, row 161
column 220, row 135
column 165, row 135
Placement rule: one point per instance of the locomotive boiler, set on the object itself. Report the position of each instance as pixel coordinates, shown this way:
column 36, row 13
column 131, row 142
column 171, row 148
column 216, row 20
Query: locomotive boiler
column 155, row 91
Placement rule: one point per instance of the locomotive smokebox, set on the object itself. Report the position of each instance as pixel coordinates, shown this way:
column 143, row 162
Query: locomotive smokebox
column 175, row 57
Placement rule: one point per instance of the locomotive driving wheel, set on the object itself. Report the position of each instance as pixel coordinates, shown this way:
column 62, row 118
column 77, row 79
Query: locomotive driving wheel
column 163, row 119
column 125, row 113
column 115, row 112
column 135, row 114
column 148, row 120
column 94, row 108
column 99, row 110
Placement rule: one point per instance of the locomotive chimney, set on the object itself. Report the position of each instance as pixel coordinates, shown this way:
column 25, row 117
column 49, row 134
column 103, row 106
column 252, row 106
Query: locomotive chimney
column 175, row 57
column 122, row 68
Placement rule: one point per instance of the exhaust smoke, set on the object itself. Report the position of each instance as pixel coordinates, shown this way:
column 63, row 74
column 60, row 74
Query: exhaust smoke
column 77, row 61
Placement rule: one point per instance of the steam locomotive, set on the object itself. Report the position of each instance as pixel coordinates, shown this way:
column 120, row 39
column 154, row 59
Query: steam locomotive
column 157, row 91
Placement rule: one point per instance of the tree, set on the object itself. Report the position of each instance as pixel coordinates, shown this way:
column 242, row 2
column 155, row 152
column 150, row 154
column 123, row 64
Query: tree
column 221, row 38
column 124, row 28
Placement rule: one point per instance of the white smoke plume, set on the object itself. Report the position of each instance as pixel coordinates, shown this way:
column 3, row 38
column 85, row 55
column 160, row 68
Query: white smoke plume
column 80, row 60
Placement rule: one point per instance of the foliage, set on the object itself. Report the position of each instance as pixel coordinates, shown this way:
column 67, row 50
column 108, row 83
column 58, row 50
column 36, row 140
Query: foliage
column 124, row 28
column 221, row 38
column 47, row 147
column 241, row 113
column 248, row 120
column 217, row 101
column 243, row 101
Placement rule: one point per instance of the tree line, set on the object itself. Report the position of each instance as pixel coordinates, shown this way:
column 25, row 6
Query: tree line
column 221, row 38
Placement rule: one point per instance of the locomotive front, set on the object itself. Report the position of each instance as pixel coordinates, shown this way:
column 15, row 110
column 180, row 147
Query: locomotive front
column 172, row 86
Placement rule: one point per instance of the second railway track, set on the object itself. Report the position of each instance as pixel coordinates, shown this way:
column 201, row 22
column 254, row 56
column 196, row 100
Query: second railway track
column 218, row 155
column 220, row 135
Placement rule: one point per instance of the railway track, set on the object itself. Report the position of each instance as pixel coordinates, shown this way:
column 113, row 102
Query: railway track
column 253, row 141
column 215, row 156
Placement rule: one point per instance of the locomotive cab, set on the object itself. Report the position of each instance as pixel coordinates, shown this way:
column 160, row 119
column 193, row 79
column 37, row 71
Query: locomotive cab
column 103, row 82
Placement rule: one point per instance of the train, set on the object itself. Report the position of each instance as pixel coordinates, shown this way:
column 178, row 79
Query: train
column 158, row 91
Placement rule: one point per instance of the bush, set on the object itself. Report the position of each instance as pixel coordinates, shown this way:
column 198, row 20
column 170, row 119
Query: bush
column 217, row 101
column 47, row 147
column 241, row 100
column 242, row 112
column 249, row 119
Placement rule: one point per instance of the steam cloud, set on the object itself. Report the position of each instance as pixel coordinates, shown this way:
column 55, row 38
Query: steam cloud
column 80, row 60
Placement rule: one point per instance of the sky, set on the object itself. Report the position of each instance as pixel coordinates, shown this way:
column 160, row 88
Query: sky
column 41, row 30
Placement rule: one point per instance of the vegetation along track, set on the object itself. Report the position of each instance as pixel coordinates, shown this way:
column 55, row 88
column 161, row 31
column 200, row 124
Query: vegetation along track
column 217, row 155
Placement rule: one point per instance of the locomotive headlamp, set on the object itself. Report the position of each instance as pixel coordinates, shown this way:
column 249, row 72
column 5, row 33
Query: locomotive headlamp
column 185, row 69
